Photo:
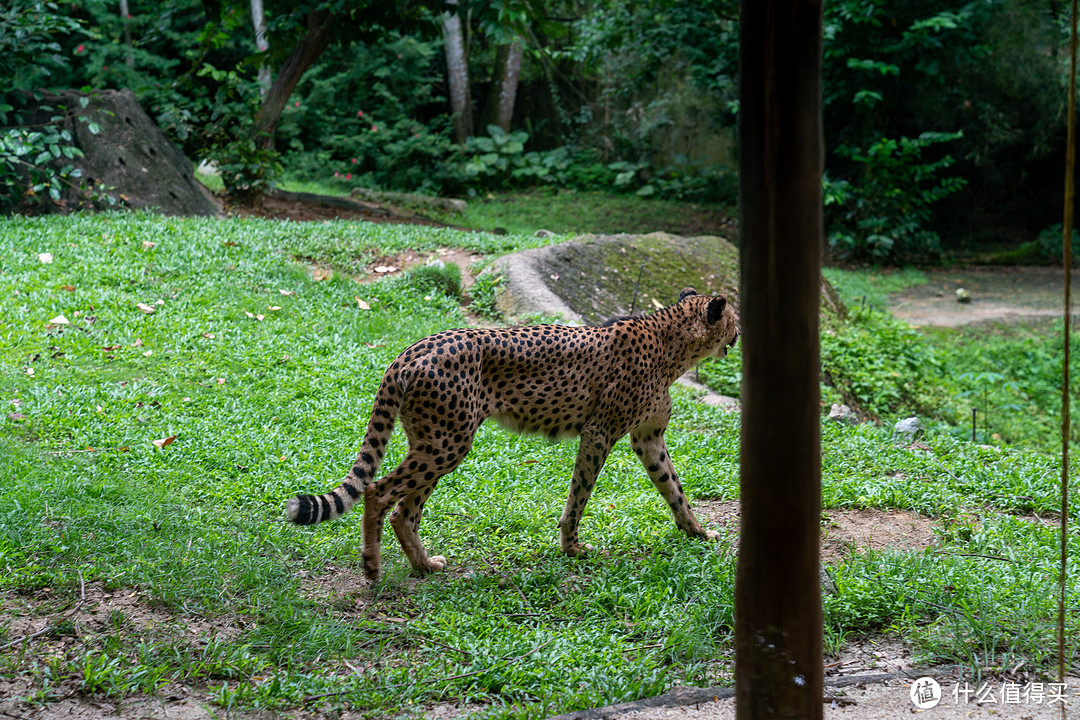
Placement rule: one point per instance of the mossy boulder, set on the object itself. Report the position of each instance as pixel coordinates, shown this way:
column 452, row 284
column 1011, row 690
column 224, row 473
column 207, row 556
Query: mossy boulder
column 595, row 277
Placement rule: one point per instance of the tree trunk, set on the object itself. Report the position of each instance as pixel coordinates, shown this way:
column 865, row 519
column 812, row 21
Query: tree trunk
column 320, row 30
column 125, row 19
column 258, row 19
column 778, row 618
column 499, row 107
column 457, row 74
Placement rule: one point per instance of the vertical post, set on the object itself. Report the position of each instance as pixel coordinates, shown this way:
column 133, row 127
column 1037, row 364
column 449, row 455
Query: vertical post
column 778, row 617
column 1066, row 257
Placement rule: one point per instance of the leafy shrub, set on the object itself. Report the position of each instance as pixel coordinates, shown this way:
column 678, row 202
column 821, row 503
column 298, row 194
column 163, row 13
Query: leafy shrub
column 372, row 114
column 248, row 168
column 883, row 215
column 483, row 292
column 881, row 365
column 1050, row 243
column 437, row 277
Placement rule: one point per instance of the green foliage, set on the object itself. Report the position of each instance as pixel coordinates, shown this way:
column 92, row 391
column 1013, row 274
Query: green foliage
column 483, row 293
column 1051, row 244
column 437, row 276
column 1012, row 376
column 30, row 49
column 365, row 116
column 248, row 168
column 883, row 216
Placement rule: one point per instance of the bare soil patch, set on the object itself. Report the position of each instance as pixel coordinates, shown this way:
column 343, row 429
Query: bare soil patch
column 843, row 533
column 1007, row 294
column 305, row 207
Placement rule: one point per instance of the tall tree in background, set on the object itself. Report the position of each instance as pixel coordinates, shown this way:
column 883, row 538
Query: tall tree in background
column 457, row 72
column 499, row 107
column 778, row 617
column 505, row 24
column 258, row 20
column 320, row 28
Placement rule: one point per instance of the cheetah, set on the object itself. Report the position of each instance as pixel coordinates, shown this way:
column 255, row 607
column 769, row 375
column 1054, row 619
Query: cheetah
column 598, row 383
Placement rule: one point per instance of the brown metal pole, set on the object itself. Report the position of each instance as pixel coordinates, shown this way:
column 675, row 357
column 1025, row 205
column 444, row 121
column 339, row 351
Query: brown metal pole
column 778, row 620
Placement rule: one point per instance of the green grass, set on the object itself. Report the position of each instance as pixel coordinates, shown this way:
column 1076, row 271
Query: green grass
column 192, row 532
column 573, row 211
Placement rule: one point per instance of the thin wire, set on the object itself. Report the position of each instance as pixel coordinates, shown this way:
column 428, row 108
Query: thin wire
column 1070, row 166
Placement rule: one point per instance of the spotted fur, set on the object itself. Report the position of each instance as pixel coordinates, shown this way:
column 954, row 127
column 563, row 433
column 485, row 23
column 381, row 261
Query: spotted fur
column 598, row 383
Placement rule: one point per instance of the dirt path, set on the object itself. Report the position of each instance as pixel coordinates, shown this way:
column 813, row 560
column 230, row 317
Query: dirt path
column 997, row 294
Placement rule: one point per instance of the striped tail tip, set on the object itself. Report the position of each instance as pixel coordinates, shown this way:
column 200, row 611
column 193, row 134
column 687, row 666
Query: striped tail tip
column 303, row 510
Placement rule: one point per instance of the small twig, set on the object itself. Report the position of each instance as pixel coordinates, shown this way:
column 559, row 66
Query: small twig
column 53, row 625
column 508, row 661
column 839, row 700
column 644, row 647
column 978, row 555
column 13, row 715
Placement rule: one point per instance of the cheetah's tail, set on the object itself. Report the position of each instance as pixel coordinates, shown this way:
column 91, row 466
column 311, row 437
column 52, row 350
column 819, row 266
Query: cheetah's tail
column 312, row 509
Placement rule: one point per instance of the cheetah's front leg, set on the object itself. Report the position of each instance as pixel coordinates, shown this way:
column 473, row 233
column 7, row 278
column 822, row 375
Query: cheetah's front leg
column 648, row 443
column 592, row 452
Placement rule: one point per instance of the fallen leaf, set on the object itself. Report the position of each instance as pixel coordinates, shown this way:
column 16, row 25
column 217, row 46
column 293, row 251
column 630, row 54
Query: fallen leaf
column 146, row 244
column 137, row 343
column 30, row 372
column 68, row 288
column 148, row 309
column 44, row 258
column 148, row 353
column 160, row 302
column 260, row 317
column 164, row 442
column 208, row 335
column 383, row 269
column 110, row 348
column 320, row 274
column 100, row 409
column 554, row 276
column 16, row 416
column 123, row 448
column 659, row 305
column 273, row 308
column 248, row 314
column 59, row 320
column 361, row 304
column 221, row 381
column 287, row 293
column 230, row 243
column 373, row 345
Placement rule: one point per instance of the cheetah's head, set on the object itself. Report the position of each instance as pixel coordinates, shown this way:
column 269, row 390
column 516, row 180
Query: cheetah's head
column 719, row 322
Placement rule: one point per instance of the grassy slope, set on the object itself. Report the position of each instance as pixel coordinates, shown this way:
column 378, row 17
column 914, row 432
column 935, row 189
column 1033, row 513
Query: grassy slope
column 264, row 408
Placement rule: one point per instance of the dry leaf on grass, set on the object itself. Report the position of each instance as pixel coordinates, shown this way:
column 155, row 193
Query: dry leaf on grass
column 59, row 320
column 148, row 309
column 44, row 258
column 68, row 288
column 164, row 442
column 361, row 304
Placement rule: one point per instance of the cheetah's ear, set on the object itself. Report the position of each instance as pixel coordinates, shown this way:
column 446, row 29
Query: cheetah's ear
column 687, row 292
column 716, row 309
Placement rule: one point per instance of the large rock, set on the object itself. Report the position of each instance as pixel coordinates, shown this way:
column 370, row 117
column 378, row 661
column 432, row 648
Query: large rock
column 595, row 277
column 130, row 156
column 592, row 278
